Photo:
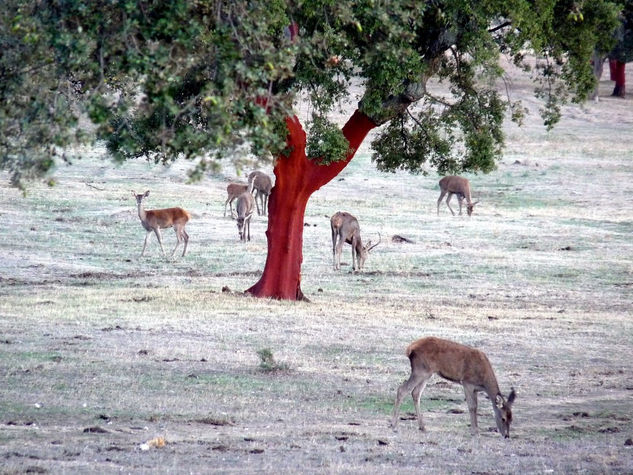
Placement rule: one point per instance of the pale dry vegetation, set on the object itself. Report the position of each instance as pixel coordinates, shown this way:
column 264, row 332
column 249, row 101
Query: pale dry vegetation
column 101, row 351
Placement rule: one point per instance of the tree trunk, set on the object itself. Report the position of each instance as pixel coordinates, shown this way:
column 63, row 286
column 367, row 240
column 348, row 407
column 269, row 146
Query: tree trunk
column 617, row 75
column 297, row 177
column 612, row 68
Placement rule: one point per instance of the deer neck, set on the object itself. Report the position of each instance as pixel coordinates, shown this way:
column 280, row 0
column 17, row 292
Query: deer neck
column 467, row 195
column 141, row 212
column 492, row 389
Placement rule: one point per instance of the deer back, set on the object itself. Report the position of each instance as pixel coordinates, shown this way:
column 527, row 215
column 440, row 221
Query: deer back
column 455, row 362
column 347, row 227
column 167, row 217
column 233, row 190
column 245, row 204
column 261, row 182
column 457, row 185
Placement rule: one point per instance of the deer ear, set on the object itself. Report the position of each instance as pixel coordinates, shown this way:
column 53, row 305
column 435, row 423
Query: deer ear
column 475, row 203
column 133, row 193
column 499, row 401
column 512, row 396
column 146, row 193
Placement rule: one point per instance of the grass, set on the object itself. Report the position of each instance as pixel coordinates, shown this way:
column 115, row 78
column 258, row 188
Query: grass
column 539, row 278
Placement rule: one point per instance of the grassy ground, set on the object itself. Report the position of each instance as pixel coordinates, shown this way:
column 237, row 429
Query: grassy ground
column 101, row 351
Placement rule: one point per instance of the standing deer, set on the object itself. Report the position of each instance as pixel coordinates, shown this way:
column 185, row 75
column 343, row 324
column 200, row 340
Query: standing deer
column 263, row 185
column 244, row 208
column 345, row 229
column 456, row 185
column 458, row 363
column 157, row 219
column 233, row 190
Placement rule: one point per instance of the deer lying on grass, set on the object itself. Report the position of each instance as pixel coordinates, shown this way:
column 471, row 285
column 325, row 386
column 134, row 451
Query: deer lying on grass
column 345, row 229
column 244, row 208
column 458, row 363
column 456, row 185
column 263, row 185
column 233, row 190
column 157, row 219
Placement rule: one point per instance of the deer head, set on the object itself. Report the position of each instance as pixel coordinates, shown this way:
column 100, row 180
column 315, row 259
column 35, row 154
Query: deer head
column 470, row 207
column 503, row 413
column 367, row 248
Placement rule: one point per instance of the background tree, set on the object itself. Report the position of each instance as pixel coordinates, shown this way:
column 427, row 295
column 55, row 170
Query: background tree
column 622, row 52
column 196, row 79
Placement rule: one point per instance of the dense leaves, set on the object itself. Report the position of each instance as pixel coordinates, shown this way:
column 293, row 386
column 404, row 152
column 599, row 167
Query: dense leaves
column 623, row 49
column 208, row 80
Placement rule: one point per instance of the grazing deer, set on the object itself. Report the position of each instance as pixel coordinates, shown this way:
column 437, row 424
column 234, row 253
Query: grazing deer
column 263, row 185
column 458, row 363
column 244, row 208
column 456, row 185
column 345, row 229
column 157, row 219
column 233, row 190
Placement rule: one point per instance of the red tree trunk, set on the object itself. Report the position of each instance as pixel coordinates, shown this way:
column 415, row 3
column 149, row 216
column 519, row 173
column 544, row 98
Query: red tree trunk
column 617, row 74
column 297, row 177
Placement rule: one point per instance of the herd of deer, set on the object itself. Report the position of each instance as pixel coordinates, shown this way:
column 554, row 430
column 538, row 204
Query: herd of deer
column 428, row 356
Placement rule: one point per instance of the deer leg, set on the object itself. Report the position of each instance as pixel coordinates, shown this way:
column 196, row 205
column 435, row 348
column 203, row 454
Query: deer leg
column 145, row 242
column 339, row 251
column 405, row 388
column 448, row 200
column 460, row 201
column 355, row 254
column 334, row 249
column 231, row 206
column 416, row 394
column 225, row 203
column 160, row 239
column 178, row 238
column 257, row 198
column 439, row 201
column 471, row 400
column 186, row 238
column 265, row 206
column 248, row 227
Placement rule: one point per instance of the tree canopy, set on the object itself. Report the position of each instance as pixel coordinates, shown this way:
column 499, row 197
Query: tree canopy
column 196, row 79
column 623, row 49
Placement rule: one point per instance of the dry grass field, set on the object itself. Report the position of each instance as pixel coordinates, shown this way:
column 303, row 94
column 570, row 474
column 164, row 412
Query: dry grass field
column 113, row 363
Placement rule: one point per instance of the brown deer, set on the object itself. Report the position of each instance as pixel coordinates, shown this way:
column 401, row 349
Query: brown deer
column 157, row 219
column 456, row 185
column 244, row 208
column 345, row 229
column 233, row 190
column 263, row 185
column 458, row 363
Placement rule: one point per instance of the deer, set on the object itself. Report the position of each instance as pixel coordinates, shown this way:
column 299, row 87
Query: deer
column 244, row 208
column 456, row 185
column 157, row 219
column 458, row 363
column 263, row 185
column 233, row 190
column 345, row 229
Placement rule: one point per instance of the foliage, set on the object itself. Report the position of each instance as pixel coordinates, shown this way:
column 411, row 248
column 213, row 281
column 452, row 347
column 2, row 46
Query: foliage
column 326, row 141
column 623, row 49
column 268, row 362
column 202, row 79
